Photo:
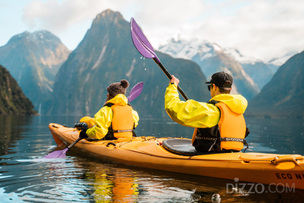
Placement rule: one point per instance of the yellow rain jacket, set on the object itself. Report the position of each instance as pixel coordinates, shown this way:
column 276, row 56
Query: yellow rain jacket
column 103, row 118
column 196, row 114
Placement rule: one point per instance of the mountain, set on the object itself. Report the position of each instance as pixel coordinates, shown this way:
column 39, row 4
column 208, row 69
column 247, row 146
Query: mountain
column 12, row 100
column 284, row 94
column 33, row 59
column 260, row 72
column 212, row 58
column 107, row 55
column 279, row 61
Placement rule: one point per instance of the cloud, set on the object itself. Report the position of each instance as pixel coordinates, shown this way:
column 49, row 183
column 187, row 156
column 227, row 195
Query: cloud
column 68, row 19
column 58, row 15
column 259, row 28
column 265, row 26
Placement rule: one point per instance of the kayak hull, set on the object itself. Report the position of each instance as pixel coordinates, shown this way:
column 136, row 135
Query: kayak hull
column 148, row 152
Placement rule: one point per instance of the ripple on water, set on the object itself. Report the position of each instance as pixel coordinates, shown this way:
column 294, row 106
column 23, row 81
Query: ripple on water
column 43, row 180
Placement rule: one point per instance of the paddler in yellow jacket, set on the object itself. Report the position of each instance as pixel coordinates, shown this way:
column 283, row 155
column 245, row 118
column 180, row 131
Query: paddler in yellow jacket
column 116, row 120
column 219, row 124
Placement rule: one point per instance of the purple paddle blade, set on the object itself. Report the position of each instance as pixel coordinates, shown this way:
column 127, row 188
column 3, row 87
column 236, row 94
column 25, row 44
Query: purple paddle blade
column 61, row 154
column 135, row 91
column 140, row 41
column 144, row 47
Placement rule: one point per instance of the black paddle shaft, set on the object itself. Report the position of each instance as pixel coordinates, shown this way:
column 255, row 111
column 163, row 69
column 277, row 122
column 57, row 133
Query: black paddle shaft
column 75, row 142
column 169, row 76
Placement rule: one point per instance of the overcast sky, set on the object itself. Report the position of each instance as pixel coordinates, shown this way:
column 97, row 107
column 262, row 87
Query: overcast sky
column 263, row 29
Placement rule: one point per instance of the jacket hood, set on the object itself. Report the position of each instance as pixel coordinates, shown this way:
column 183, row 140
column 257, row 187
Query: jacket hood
column 119, row 99
column 236, row 102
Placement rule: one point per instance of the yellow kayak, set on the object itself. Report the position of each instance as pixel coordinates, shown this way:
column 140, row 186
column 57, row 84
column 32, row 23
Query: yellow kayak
column 177, row 155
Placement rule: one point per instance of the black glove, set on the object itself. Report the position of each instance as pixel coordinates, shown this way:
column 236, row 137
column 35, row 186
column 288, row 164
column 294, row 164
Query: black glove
column 80, row 126
column 83, row 134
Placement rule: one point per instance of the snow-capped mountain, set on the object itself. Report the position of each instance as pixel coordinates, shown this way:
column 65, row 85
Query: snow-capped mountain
column 213, row 58
column 189, row 49
column 237, row 55
column 278, row 61
column 259, row 71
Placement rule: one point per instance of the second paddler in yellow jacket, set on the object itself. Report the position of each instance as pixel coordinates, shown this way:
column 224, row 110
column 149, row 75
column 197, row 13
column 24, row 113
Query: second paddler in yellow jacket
column 219, row 124
column 116, row 120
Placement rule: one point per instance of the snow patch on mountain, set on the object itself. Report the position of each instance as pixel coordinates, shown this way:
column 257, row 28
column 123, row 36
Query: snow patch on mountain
column 281, row 60
column 188, row 49
column 234, row 53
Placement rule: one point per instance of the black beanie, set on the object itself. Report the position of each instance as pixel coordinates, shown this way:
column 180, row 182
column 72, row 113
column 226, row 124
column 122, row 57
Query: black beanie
column 118, row 88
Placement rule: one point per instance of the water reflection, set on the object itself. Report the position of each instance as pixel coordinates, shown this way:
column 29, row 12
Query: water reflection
column 283, row 136
column 110, row 184
column 11, row 128
column 116, row 183
column 26, row 177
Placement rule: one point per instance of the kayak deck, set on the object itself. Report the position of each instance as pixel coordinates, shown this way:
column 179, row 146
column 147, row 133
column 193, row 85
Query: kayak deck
column 150, row 152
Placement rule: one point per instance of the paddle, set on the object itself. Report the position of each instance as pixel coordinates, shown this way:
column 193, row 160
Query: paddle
column 144, row 47
column 61, row 154
column 135, row 92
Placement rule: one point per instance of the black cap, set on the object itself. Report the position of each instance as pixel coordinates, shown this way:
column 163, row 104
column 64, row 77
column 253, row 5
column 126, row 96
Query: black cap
column 221, row 79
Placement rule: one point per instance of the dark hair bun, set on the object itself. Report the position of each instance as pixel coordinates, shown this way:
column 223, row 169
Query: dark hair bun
column 124, row 83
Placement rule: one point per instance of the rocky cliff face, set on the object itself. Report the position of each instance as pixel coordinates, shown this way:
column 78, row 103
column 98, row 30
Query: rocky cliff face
column 107, row 55
column 33, row 59
column 12, row 99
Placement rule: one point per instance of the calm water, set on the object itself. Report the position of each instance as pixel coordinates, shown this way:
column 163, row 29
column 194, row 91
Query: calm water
column 25, row 176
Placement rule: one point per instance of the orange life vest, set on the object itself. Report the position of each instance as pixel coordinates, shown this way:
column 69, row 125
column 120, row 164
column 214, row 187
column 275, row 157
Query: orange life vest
column 227, row 135
column 232, row 128
column 122, row 123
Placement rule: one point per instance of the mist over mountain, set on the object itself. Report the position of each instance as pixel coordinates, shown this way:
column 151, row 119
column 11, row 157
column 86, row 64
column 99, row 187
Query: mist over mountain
column 260, row 72
column 33, row 59
column 283, row 96
column 12, row 99
column 280, row 60
column 107, row 55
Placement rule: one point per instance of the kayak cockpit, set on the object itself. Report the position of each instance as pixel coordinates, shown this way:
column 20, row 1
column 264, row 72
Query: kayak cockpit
column 180, row 147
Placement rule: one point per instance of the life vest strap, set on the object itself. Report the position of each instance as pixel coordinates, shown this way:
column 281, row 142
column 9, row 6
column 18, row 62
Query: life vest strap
column 206, row 138
column 232, row 139
column 224, row 139
column 121, row 131
column 236, row 140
